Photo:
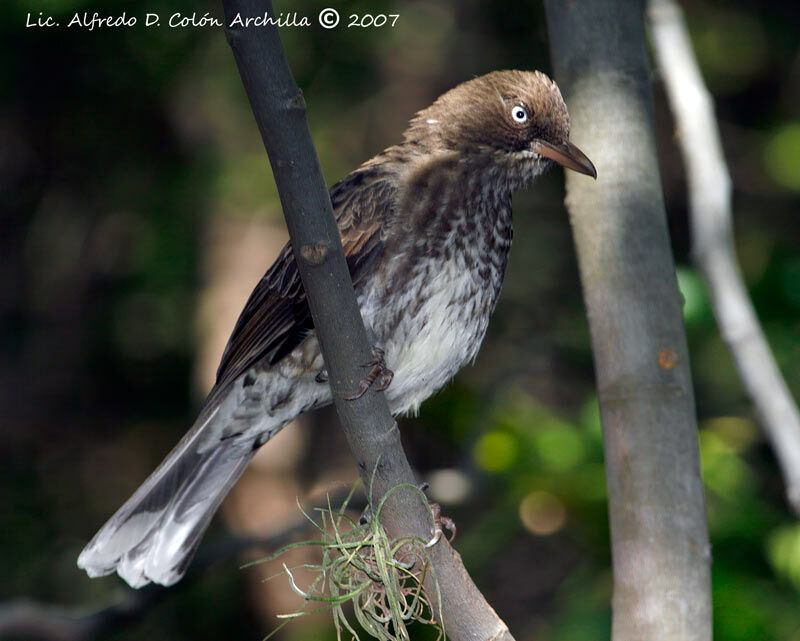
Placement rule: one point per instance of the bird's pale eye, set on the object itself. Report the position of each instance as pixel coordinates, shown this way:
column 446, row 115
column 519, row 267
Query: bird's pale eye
column 519, row 114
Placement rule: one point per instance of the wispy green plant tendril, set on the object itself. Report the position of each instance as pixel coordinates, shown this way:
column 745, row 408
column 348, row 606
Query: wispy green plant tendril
column 383, row 579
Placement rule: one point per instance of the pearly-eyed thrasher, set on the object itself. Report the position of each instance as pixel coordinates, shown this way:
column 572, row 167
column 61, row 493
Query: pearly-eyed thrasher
column 426, row 229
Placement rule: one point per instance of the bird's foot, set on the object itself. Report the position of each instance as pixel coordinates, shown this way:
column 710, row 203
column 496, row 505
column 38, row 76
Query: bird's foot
column 440, row 524
column 378, row 372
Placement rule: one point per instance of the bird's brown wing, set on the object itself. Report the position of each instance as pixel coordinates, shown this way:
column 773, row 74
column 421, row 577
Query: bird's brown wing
column 276, row 318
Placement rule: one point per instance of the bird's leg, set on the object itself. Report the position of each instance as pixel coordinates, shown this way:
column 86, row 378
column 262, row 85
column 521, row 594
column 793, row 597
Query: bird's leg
column 440, row 523
column 378, row 372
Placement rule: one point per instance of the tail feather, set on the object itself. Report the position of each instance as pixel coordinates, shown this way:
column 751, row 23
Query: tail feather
column 165, row 554
column 153, row 536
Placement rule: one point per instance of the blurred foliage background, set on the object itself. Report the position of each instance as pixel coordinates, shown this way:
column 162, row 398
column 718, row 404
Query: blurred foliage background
column 138, row 210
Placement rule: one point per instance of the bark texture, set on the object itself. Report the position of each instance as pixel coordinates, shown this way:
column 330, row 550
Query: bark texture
column 660, row 544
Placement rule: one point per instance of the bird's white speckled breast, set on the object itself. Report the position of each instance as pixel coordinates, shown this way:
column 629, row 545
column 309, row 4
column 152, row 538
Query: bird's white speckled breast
column 434, row 339
column 428, row 337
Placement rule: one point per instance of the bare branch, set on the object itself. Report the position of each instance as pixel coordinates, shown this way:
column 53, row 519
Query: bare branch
column 659, row 536
column 25, row 619
column 28, row 619
column 713, row 248
column 371, row 432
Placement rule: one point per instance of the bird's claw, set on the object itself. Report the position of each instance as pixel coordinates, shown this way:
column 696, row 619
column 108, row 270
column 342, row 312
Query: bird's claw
column 440, row 523
column 378, row 372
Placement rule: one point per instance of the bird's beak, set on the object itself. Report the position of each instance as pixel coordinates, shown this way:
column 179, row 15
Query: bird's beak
column 565, row 154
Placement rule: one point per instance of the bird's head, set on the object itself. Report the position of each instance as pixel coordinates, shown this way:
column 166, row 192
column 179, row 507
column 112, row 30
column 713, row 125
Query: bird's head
column 516, row 118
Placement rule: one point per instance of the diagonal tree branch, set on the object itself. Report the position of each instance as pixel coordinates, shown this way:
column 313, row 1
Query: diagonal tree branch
column 372, row 434
column 712, row 231
column 659, row 537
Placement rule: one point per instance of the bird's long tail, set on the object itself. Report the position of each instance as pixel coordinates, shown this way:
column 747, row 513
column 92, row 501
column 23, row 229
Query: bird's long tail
column 153, row 536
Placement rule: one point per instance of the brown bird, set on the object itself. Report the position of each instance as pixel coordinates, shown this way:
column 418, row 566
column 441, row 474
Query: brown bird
column 426, row 229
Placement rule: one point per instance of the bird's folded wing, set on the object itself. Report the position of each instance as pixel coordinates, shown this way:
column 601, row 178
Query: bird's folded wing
column 276, row 318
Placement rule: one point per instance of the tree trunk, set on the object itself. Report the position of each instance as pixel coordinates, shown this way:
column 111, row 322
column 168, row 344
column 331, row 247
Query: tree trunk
column 660, row 545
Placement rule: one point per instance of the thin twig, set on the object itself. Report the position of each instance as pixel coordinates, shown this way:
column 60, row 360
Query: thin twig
column 29, row 619
column 713, row 248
